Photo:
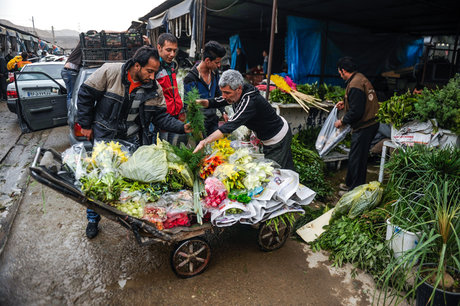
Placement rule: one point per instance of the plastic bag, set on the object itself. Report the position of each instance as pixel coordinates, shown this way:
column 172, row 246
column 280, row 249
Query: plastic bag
column 148, row 164
column 216, row 190
column 330, row 136
column 358, row 200
column 75, row 158
column 369, row 199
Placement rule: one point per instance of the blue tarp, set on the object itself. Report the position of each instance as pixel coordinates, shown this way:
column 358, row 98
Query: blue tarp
column 374, row 53
column 235, row 43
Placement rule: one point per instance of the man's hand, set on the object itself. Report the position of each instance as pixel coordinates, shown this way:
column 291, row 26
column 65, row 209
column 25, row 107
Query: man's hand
column 87, row 133
column 340, row 105
column 187, row 128
column 225, row 116
column 200, row 146
column 202, row 102
column 338, row 123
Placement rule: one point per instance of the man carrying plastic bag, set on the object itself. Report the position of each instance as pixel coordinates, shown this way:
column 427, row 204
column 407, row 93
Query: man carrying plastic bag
column 361, row 107
column 330, row 136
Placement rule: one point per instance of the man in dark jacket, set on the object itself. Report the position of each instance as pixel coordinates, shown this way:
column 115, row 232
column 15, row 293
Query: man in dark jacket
column 119, row 101
column 361, row 107
column 204, row 76
column 240, row 61
column 70, row 71
column 253, row 111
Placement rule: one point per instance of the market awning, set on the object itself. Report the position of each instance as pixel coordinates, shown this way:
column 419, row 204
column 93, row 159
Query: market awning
column 2, row 31
column 25, row 37
column 19, row 35
column 180, row 9
column 157, row 21
column 11, row 32
column 34, row 39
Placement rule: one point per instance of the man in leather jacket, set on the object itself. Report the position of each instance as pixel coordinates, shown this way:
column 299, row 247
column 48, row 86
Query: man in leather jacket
column 119, row 101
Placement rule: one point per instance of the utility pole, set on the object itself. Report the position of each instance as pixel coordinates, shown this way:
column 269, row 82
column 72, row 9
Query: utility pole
column 33, row 25
column 52, row 31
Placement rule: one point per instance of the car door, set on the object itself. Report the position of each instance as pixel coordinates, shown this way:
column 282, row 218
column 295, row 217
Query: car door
column 41, row 102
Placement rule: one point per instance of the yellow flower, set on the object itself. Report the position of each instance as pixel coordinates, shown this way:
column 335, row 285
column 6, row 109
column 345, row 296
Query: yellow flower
column 280, row 82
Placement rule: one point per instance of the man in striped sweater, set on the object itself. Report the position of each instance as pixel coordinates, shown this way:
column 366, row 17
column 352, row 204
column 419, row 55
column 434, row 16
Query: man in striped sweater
column 253, row 111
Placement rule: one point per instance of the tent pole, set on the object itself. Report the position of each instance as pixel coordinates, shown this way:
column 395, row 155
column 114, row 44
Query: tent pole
column 323, row 53
column 204, row 28
column 270, row 52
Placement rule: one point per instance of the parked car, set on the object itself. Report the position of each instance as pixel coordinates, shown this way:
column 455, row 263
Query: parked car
column 27, row 82
column 38, row 96
column 75, row 134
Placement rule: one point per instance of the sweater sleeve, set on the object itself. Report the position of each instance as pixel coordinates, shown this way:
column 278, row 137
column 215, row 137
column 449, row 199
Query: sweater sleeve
column 163, row 120
column 357, row 103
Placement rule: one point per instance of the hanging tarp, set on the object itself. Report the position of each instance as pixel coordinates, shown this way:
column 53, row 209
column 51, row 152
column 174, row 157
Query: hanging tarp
column 235, row 43
column 180, row 9
column 373, row 53
column 11, row 32
column 34, row 39
column 25, row 37
column 302, row 48
column 158, row 21
column 2, row 31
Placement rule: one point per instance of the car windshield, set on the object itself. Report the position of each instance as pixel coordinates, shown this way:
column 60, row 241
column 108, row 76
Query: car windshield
column 53, row 71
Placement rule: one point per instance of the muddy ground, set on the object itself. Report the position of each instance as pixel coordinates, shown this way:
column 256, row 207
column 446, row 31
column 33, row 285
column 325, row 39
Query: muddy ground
column 48, row 260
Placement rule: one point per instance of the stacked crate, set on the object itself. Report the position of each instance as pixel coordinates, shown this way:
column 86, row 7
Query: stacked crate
column 104, row 47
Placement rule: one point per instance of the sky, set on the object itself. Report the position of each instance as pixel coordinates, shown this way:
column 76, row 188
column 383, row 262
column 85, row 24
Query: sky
column 78, row 15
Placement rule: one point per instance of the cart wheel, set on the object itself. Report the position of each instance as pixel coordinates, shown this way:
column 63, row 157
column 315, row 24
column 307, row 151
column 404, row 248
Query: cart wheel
column 191, row 257
column 269, row 239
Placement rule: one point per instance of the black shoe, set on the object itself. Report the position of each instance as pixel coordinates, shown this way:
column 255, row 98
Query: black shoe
column 92, row 230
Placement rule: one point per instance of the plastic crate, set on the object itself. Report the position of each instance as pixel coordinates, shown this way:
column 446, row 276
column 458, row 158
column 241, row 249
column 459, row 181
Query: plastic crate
column 92, row 41
column 93, row 54
column 115, row 54
column 133, row 40
column 113, row 40
column 130, row 53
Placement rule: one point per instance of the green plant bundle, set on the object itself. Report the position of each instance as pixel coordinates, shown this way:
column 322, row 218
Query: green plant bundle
column 279, row 96
column 398, row 110
column 437, row 254
column 193, row 160
column 194, row 115
column 441, row 104
column 310, row 168
column 413, row 168
column 359, row 242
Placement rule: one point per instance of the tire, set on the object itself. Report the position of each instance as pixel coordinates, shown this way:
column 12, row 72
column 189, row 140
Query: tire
column 269, row 239
column 190, row 257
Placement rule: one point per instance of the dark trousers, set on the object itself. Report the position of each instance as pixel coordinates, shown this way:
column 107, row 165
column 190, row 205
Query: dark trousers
column 281, row 152
column 69, row 77
column 357, row 158
column 2, row 87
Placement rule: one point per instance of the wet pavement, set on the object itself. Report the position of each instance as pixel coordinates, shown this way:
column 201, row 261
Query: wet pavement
column 47, row 259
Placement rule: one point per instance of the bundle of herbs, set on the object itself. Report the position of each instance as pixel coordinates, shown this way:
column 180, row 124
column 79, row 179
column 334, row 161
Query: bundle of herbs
column 398, row 110
column 359, row 241
column 311, row 169
column 441, row 104
column 194, row 115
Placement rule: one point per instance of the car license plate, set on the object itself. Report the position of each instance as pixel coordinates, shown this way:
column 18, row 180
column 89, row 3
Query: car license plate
column 39, row 92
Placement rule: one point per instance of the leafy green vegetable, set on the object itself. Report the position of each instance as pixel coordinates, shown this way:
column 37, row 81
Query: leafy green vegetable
column 398, row 110
column 310, row 168
column 442, row 105
column 360, row 241
column 194, row 114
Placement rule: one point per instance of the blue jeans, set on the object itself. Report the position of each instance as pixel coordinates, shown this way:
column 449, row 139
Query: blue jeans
column 69, row 78
column 92, row 216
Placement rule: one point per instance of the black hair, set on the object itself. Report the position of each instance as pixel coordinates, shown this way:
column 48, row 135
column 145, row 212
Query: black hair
column 213, row 50
column 24, row 55
column 144, row 53
column 166, row 37
column 347, row 63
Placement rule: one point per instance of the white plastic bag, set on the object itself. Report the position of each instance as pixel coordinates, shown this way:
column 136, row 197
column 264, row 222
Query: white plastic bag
column 330, row 136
